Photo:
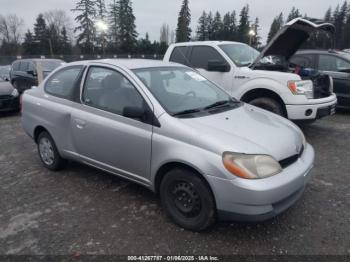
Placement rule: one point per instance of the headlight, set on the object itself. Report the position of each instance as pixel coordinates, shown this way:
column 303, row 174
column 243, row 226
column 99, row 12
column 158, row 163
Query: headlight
column 303, row 87
column 251, row 166
column 14, row 93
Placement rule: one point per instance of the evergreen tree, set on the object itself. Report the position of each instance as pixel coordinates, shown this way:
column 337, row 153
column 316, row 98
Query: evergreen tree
column 275, row 26
column 328, row 16
column 210, row 25
column 101, row 9
column 226, row 27
column 233, row 27
column 145, row 46
column 183, row 31
column 294, row 13
column 86, row 13
column 127, row 28
column 202, row 28
column 41, row 36
column 244, row 25
column 28, row 44
column 66, row 47
column 256, row 39
column 113, row 22
column 346, row 36
column 339, row 22
column 217, row 27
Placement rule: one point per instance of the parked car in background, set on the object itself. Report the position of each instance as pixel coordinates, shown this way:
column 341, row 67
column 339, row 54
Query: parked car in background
column 9, row 97
column 5, row 72
column 346, row 51
column 333, row 63
column 250, row 76
column 168, row 128
column 24, row 72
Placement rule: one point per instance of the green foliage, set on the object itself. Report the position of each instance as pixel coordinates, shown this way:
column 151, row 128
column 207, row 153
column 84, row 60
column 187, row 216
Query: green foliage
column 276, row 25
column 183, row 31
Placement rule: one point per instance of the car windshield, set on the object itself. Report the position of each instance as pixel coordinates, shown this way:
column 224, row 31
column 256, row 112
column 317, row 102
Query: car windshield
column 50, row 65
column 240, row 54
column 182, row 91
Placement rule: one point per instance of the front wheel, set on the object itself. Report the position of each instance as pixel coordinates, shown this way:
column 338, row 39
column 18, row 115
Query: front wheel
column 187, row 200
column 48, row 153
column 269, row 104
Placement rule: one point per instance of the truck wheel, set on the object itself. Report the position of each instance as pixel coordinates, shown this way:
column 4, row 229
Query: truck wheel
column 269, row 104
column 187, row 200
column 48, row 153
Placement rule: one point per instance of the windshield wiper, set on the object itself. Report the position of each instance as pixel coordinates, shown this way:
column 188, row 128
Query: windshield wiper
column 218, row 104
column 186, row 112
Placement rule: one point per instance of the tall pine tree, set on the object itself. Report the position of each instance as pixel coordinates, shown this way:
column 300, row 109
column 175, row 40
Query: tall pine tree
column 183, row 30
column 244, row 25
column 202, row 28
column 41, row 36
column 127, row 28
column 275, row 26
column 217, row 27
column 294, row 13
column 86, row 27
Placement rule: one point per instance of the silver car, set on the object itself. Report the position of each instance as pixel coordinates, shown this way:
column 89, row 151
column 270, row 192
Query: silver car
column 166, row 127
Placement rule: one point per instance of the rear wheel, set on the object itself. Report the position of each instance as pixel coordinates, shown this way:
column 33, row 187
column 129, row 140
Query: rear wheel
column 269, row 104
column 48, row 152
column 187, row 200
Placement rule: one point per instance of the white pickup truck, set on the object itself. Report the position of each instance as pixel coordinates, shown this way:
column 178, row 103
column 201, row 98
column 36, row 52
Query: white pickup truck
column 264, row 79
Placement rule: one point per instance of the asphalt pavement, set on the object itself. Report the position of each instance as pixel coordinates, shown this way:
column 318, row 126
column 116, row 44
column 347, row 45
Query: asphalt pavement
column 85, row 211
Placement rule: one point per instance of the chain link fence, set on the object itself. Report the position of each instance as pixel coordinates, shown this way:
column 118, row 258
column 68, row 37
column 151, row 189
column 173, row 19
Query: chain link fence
column 7, row 60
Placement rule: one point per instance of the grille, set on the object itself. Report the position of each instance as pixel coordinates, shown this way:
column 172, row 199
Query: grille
column 292, row 159
column 322, row 86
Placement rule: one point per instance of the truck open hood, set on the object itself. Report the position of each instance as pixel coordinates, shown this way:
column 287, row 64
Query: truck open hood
column 290, row 38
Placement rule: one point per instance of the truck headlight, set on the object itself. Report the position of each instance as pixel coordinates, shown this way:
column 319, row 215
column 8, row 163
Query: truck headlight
column 251, row 166
column 302, row 87
column 14, row 93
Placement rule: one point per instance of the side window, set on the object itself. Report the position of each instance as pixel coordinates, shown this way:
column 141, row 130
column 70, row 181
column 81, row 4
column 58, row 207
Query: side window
column 15, row 66
column 24, row 66
column 303, row 61
column 343, row 66
column 179, row 55
column 109, row 90
column 327, row 63
column 63, row 82
column 31, row 67
column 202, row 54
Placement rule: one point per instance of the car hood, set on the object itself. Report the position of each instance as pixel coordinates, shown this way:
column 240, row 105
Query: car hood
column 6, row 88
column 289, row 39
column 248, row 130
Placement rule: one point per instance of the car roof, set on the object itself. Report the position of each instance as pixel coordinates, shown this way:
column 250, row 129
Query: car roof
column 329, row 52
column 38, row 60
column 209, row 43
column 130, row 63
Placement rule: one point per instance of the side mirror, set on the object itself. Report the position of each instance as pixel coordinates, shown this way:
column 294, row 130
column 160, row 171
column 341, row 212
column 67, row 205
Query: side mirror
column 218, row 66
column 134, row 112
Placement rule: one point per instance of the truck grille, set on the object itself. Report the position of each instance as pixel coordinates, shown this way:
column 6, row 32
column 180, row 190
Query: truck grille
column 322, row 86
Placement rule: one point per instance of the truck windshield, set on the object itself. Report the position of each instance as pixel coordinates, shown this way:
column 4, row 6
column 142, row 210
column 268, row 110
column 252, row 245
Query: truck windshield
column 240, row 54
column 182, row 91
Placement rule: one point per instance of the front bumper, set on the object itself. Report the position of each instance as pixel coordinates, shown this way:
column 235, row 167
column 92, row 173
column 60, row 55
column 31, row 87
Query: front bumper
column 257, row 200
column 315, row 109
column 9, row 103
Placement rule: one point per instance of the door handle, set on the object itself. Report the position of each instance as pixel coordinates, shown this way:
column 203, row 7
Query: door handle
column 80, row 124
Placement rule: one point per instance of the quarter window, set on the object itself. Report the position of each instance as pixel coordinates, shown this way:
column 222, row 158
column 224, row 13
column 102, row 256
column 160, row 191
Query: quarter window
column 64, row 82
column 201, row 55
column 109, row 90
column 332, row 63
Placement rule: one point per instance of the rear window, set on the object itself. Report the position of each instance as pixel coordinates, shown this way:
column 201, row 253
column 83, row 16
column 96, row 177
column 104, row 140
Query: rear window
column 179, row 55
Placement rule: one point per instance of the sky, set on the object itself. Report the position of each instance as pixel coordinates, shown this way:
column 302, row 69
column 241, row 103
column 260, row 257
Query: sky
column 151, row 14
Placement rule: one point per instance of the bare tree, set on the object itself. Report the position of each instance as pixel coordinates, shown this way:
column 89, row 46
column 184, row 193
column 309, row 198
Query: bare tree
column 11, row 28
column 59, row 19
column 164, row 34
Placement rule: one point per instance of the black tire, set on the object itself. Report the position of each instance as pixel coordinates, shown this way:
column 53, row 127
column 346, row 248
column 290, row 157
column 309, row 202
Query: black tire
column 269, row 104
column 187, row 200
column 52, row 161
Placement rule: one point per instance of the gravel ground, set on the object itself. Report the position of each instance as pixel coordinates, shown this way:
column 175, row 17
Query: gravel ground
column 83, row 210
